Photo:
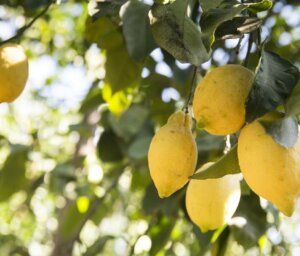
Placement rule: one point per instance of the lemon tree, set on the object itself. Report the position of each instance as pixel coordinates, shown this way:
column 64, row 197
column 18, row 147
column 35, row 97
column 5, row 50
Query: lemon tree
column 124, row 101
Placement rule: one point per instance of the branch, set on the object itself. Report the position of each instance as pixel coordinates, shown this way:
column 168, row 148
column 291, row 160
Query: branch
column 27, row 26
column 191, row 92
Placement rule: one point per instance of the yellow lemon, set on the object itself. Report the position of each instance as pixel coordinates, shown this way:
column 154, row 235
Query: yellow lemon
column 13, row 71
column 211, row 203
column 219, row 100
column 172, row 155
column 271, row 170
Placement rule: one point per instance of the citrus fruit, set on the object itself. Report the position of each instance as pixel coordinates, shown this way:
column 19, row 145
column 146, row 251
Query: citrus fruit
column 13, row 71
column 219, row 99
column 211, row 203
column 172, row 155
column 271, row 170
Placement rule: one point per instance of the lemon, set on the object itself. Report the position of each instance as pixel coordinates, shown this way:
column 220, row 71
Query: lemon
column 219, row 99
column 271, row 170
column 211, row 203
column 172, row 155
column 13, row 71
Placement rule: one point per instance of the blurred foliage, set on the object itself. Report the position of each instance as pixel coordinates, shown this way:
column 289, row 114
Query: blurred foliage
column 74, row 178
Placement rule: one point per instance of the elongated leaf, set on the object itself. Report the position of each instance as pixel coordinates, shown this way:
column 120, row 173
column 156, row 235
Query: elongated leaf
column 136, row 29
column 263, row 5
column 98, row 245
column 292, row 105
column 274, row 82
column 98, row 9
column 175, row 32
column 284, row 131
column 12, row 175
column 121, row 71
column 228, row 164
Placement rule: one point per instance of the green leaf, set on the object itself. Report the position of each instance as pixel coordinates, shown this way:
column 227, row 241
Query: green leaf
column 220, row 246
column 130, row 122
column 12, row 175
column 98, row 246
column 104, row 32
column 175, row 32
column 160, row 233
column 138, row 149
column 121, row 71
column 108, row 146
column 136, row 29
column 212, row 18
column 263, row 5
column 237, row 26
column 273, row 83
column 292, row 105
column 255, row 221
column 92, row 100
column 284, row 131
column 228, row 164
column 98, row 9
column 208, row 4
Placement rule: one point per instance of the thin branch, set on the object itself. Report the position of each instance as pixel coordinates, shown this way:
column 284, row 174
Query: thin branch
column 250, row 42
column 27, row 26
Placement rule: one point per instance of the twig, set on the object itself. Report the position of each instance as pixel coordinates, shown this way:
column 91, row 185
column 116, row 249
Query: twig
column 191, row 92
column 21, row 31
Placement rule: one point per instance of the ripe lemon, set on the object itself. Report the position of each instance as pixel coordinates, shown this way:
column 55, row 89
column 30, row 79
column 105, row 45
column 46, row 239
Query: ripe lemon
column 172, row 155
column 211, row 203
column 13, row 71
column 219, row 100
column 271, row 171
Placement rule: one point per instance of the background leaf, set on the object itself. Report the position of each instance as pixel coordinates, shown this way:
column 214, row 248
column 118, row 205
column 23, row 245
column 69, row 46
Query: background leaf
column 136, row 29
column 274, row 82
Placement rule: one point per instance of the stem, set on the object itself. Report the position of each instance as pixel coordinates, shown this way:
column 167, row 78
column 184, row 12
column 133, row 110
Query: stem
column 21, row 31
column 191, row 93
column 250, row 42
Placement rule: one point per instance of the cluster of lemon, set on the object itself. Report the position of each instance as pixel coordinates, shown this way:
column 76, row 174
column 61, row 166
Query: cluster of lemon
column 271, row 170
column 13, row 71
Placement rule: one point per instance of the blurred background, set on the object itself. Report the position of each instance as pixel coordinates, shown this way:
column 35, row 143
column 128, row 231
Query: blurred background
column 74, row 178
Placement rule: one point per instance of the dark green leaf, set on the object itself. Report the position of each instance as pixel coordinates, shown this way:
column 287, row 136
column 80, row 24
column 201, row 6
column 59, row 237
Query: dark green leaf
column 175, row 32
column 236, row 27
column 121, row 71
column 292, row 105
column 274, row 82
column 220, row 246
column 12, row 175
column 284, row 131
column 255, row 221
column 212, row 18
column 228, row 164
column 206, row 142
column 98, row 9
column 208, row 4
column 136, row 29
column 108, row 147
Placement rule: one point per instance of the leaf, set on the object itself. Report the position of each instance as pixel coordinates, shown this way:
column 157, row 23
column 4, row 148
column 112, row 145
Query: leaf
column 237, row 26
column 136, row 29
column 104, row 32
column 273, row 83
column 292, row 105
column 98, row 246
column 263, row 5
column 219, row 247
column 92, row 100
column 138, row 149
column 212, row 18
column 98, row 9
column 108, row 147
column 208, row 4
column 284, row 131
column 228, row 164
column 256, row 221
column 12, row 175
column 160, row 233
column 175, row 32
column 130, row 122
column 121, row 71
